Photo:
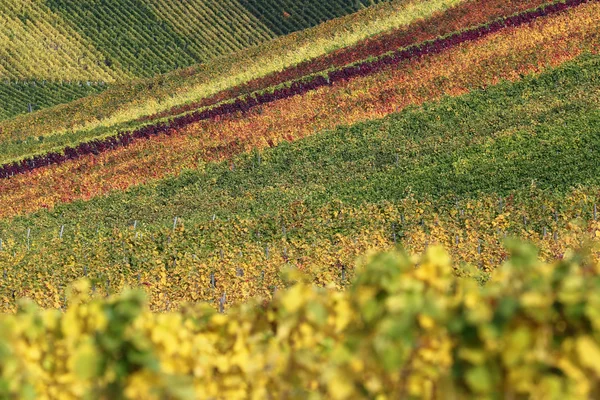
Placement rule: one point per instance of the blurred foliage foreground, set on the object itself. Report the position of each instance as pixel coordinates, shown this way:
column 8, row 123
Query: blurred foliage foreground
column 407, row 327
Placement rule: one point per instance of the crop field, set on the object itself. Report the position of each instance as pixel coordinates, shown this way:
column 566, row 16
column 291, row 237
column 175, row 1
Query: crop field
column 345, row 200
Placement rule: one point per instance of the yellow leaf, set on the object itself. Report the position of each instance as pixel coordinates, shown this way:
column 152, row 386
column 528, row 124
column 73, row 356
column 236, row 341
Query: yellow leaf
column 293, row 299
column 589, row 353
column 339, row 386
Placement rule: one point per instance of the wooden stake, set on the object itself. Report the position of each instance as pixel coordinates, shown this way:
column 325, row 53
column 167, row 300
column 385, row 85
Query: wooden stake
column 222, row 303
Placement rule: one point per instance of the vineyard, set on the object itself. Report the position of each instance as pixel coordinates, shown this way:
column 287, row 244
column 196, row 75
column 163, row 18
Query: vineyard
column 141, row 98
column 81, row 41
column 403, row 202
column 33, row 95
column 398, row 331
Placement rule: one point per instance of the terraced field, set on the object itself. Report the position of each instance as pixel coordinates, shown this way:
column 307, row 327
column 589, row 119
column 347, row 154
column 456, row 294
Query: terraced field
column 345, row 220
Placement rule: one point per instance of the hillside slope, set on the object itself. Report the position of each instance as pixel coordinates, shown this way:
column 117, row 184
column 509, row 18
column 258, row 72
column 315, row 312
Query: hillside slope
column 79, row 41
column 516, row 158
column 411, row 76
column 281, row 221
column 334, row 44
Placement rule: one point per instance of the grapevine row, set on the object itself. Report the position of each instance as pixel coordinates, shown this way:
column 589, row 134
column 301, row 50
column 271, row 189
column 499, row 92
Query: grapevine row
column 194, row 260
column 406, row 328
column 458, row 173
column 285, row 17
column 296, row 88
column 17, row 97
column 455, row 18
column 205, row 79
column 477, row 64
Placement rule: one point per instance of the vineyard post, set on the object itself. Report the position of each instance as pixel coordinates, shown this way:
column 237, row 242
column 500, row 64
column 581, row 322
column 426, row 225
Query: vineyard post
column 85, row 271
column 174, row 223
column 28, row 237
column 61, row 288
column 212, row 280
column 595, row 212
column 0, row 244
column 343, row 273
column 544, row 233
column 222, row 301
column 62, row 229
column 479, row 252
